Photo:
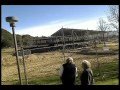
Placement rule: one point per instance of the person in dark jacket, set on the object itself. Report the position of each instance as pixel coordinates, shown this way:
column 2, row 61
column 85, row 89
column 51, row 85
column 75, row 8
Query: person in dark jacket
column 68, row 72
column 86, row 76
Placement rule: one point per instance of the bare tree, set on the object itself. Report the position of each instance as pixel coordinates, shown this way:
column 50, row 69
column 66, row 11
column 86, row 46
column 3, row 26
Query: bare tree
column 102, row 26
column 114, row 16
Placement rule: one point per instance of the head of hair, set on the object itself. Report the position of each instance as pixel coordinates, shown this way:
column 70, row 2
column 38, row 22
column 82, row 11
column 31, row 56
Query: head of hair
column 86, row 64
column 69, row 60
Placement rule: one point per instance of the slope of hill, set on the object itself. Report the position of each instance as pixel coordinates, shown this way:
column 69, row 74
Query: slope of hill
column 6, row 38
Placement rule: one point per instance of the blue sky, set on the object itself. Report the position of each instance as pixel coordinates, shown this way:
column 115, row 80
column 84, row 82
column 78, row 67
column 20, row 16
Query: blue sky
column 38, row 20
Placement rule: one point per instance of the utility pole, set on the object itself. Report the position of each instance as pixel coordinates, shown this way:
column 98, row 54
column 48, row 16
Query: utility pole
column 12, row 21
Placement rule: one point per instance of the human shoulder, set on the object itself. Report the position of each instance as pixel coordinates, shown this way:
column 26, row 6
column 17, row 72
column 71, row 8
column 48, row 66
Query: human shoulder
column 89, row 70
column 73, row 64
column 64, row 64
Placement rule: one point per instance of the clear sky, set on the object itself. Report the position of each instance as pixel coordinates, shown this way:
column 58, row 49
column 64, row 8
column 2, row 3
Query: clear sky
column 38, row 20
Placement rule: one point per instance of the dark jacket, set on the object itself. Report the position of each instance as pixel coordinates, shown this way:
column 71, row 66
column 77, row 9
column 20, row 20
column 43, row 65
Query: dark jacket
column 86, row 77
column 68, row 76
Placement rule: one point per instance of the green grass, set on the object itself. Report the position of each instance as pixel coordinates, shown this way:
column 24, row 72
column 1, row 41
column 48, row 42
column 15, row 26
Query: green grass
column 113, row 50
column 111, row 47
column 108, row 82
column 56, row 81
column 110, row 78
column 51, row 80
column 108, row 71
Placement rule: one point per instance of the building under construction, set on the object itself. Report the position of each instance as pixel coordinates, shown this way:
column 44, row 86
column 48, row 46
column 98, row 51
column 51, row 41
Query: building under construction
column 64, row 38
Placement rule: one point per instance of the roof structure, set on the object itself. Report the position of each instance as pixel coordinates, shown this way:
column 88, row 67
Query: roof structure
column 78, row 32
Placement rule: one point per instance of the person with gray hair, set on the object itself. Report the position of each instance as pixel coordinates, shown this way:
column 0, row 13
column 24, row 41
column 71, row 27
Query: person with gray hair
column 86, row 76
column 68, row 72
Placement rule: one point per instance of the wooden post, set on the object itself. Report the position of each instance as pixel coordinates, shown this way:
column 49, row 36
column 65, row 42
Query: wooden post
column 73, row 39
column 16, row 52
column 107, row 35
column 24, row 66
column 56, row 40
column 76, row 37
column 97, row 57
column 104, row 39
column 63, row 44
